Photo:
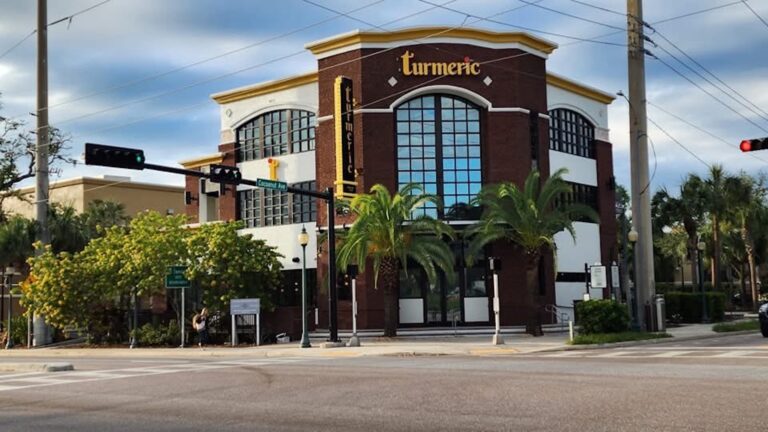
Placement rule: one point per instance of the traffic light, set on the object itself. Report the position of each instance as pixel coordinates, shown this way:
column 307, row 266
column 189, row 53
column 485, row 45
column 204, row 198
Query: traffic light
column 118, row 157
column 754, row 144
column 225, row 174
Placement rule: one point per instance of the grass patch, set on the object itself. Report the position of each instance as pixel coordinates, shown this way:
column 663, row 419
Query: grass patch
column 603, row 338
column 736, row 326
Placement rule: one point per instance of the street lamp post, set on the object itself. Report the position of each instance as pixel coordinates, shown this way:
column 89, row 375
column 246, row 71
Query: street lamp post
column 303, row 241
column 632, row 236
column 9, row 272
column 700, row 246
column 494, row 265
column 354, row 341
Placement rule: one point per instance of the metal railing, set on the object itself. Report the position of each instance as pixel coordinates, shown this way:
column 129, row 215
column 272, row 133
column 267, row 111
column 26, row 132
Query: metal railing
column 558, row 316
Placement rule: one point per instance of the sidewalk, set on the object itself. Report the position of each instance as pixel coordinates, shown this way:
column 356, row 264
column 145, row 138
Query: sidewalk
column 472, row 345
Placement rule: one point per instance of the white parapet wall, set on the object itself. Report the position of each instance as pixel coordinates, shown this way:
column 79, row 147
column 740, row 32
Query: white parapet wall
column 571, row 257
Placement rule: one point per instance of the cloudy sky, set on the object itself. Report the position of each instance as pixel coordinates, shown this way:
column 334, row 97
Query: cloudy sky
column 139, row 73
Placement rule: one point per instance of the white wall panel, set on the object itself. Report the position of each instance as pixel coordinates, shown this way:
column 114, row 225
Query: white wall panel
column 571, row 255
column 595, row 111
column 580, row 169
column 476, row 309
column 285, row 239
column 567, row 292
column 302, row 97
column 411, row 311
column 292, row 168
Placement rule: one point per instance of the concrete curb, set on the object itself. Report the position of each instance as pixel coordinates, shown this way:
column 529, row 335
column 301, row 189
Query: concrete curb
column 672, row 339
column 36, row 367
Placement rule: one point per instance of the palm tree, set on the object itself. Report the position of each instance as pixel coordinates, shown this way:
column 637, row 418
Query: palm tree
column 101, row 215
column 749, row 212
column 528, row 217
column 386, row 232
column 16, row 237
column 66, row 228
column 716, row 199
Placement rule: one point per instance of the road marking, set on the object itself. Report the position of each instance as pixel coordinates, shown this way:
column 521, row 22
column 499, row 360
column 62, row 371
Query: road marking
column 671, row 354
column 617, row 354
column 734, row 354
column 42, row 379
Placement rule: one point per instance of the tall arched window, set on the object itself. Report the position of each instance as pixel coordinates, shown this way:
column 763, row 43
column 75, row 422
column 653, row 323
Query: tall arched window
column 438, row 146
column 571, row 132
column 276, row 133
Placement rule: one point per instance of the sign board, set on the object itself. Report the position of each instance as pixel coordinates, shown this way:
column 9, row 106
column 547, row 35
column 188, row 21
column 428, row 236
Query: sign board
column 245, row 306
column 175, row 277
column 431, row 68
column 344, row 126
column 598, row 277
column 615, row 278
column 271, row 184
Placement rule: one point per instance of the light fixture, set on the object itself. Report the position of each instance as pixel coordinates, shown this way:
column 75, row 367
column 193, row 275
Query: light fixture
column 632, row 235
column 303, row 237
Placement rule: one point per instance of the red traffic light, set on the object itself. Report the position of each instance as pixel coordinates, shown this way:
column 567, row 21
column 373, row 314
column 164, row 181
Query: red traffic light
column 746, row 146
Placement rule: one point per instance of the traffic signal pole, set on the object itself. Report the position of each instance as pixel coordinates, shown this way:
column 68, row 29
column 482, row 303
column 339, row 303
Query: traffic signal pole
column 638, row 154
column 97, row 154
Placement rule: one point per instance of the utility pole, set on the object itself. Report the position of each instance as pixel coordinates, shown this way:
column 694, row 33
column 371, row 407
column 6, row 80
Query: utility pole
column 41, row 333
column 638, row 145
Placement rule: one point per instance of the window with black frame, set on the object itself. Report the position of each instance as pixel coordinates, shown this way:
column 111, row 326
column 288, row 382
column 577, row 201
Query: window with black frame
column 438, row 146
column 276, row 133
column 266, row 207
column 571, row 132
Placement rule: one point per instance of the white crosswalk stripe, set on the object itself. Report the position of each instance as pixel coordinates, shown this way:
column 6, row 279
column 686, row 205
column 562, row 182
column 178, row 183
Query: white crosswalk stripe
column 662, row 354
column 28, row 380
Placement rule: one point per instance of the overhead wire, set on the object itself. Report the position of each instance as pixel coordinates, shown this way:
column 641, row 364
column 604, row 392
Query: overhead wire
column 200, row 62
column 229, row 74
column 681, row 145
column 66, row 18
column 754, row 12
column 754, row 108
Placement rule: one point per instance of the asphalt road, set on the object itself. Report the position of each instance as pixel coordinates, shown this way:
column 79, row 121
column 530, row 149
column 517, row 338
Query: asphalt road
column 713, row 385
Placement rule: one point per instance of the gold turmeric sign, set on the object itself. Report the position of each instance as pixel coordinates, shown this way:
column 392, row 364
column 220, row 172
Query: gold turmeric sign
column 345, row 184
column 413, row 68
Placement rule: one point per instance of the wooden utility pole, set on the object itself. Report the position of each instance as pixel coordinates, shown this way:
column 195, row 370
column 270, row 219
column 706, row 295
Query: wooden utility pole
column 638, row 146
column 41, row 333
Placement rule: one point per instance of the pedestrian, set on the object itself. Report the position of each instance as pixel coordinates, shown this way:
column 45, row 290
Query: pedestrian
column 200, row 324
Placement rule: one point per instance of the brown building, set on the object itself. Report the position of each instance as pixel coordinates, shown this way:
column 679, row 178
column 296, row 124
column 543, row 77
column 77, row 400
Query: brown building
column 452, row 109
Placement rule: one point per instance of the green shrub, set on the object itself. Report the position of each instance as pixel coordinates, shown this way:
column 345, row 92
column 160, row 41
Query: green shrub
column 602, row 338
column 688, row 305
column 602, row 316
column 736, row 326
column 156, row 335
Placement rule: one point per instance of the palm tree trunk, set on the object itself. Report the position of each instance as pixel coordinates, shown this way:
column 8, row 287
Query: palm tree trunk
column 751, row 261
column 692, row 250
column 533, row 324
column 716, row 254
column 743, row 280
column 389, row 279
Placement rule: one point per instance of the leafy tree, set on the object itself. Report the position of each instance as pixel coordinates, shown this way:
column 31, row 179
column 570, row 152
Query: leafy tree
column 673, row 245
column 66, row 229
column 529, row 218
column 387, row 233
column 227, row 265
column 17, row 147
column 749, row 213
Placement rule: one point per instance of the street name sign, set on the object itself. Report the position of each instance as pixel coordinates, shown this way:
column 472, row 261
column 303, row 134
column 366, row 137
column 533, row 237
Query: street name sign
column 271, row 184
column 175, row 277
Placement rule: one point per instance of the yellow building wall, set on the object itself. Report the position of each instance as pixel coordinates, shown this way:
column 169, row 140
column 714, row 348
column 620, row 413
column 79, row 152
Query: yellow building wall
column 78, row 192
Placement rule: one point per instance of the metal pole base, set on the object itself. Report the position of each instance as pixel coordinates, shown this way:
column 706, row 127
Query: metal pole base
column 305, row 342
column 498, row 339
column 354, row 341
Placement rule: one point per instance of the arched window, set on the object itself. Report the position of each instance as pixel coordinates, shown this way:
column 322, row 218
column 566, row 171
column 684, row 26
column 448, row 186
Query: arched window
column 570, row 132
column 438, row 146
column 276, row 133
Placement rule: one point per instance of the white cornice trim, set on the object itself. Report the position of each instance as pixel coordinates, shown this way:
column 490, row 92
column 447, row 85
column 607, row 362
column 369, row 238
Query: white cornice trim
column 430, row 41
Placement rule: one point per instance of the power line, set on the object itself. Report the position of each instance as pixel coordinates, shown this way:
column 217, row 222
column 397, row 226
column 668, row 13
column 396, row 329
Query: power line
column 708, row 93
column 754, row 13
column 697, row 12
column 66, row 18
column 229, row 74
column 199, row 62
column 679, row 143
column 599, row 8
column 701, row 129
column 762, row 113
column 557, row 11
column 533, row 30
